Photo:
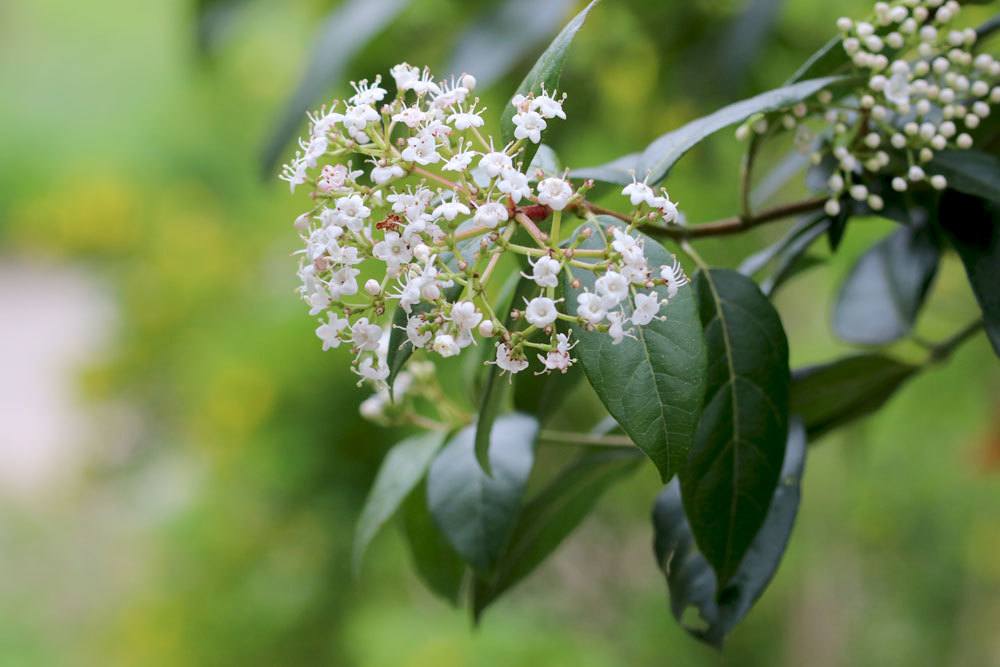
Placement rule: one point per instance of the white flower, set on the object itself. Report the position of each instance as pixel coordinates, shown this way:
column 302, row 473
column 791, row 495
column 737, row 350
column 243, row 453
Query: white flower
column 463, row 120
column 445, row 345
column 425, row 84
column 897, row 89
column 318, row 300
column 450, row 210
column 647, row 307
column 366, row 336
column 529, row 125
column 314, row 149
column 548, row 106
column 367, row 94
column 411, row 117
column 559, row 358
column 554, row 193
column 590, row 307
column 343, row 282
column 417, row 338
column 405, row 75
column 616, row 329
column 356, row 118
column 506, row 360
column 495, row 162
column 392, row 250
column 545, row 271
column 329, row 332
column 612, row 287
column 421, row 149
column 491, row 214
column 373, row 369
column 450, row 94
column 674, row 276
column 383, row 174
column 639, row 193
column 514, row 184
column 541, row 311
column 465, row 316
column 667, row 208
column 352, row 211
column 460, row 161
column 294, row 172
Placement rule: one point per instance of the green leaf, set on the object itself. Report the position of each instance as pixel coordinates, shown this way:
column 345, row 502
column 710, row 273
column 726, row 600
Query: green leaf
column 476, row 512
column 690, row 578
column 346, row 29
column 493, row 394
column 740, row 442
column 657, row 159
column 882, row 295
column 437, row 564
column 401, row 470
column 541, row 395
column 500, row 38
column 808, row 229
column 828, row 59
column 652, row 384
column 545, row 73
column 972, row 226
column 830, row 395
column 551, row 516
column 969, row 171
column 546, row 161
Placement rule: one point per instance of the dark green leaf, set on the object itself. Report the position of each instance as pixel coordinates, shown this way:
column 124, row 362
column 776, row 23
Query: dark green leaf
column 652, row 384
column 972, row 226
column 736, row 51
column 402, row 469
column 805, row 231
column 551, row 516
column 690, row 578
column 988, row 28
column 476, row 512
column 493, row 393
column 880, row 300
column 541, row 395
column 545, row 73
column 830, row 57
column 498, row 39
column 657, row 159
column 546, row 161
column 213, row 18
column 969, row 171
column 830, row 395
column 433, row 558
column 347, row 28
column 740, row 442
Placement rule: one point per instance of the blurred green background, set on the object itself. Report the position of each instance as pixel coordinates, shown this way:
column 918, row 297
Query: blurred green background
column 181, row 467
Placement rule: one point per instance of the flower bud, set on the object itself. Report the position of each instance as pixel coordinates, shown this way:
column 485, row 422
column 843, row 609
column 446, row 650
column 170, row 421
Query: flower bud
column 373, row 287
column 468, row 82
column 486, row 328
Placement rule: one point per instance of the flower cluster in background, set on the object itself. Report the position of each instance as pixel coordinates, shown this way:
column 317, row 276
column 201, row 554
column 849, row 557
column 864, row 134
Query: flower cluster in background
column 414, row 209
column 924, row 90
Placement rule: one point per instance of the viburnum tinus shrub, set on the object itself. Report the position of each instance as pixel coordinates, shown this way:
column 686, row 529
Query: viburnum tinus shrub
column 428, row 239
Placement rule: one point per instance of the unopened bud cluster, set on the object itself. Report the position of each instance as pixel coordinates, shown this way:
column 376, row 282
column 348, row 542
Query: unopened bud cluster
column 924, row 90
column 414, row 208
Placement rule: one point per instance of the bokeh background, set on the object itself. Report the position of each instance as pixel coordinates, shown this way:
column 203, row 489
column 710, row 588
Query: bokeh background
column 181, row 467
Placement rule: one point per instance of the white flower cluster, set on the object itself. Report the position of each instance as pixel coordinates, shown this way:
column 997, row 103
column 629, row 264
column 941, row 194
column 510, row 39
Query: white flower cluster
column 424, row 227
column 925, row 90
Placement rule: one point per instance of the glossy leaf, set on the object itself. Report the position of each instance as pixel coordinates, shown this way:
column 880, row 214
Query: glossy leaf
column 344, row 31
column 882, row 295
column 972, row 226
column 545, row 73
column 652, row 384
column 401, row 470
column 828, row 59
column 830, row 395
column 500, row 38
column 435, row 561
column 690, row 578
column 740, row 442
column 972, row 172
column 475, row 511
column 552, row 515
column 657, row 159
